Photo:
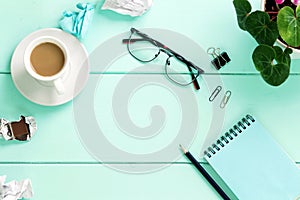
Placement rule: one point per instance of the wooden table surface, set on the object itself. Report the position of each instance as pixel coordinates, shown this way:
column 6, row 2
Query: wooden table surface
column 118, row 139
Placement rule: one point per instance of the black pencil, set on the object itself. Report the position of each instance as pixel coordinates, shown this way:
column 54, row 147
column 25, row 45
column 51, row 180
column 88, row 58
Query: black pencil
column 204, row 173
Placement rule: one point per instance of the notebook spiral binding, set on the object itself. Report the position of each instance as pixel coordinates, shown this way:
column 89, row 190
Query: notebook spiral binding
column 230, row 135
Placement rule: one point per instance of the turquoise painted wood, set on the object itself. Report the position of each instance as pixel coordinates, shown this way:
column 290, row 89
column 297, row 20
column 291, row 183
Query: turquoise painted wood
column 134, row 108
column 81, row 181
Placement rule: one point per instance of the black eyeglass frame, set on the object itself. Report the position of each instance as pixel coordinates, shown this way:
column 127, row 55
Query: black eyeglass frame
column 166, row 50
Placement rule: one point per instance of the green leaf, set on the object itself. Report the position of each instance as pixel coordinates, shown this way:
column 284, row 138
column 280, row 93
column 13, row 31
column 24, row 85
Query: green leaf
column 283, row 56
column 242, row 9
column 274, row 74
column 262, row 56
column 289, row 25
column 259, row 25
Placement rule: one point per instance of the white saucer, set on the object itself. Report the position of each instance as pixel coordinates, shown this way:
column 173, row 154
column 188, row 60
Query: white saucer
column 47, row 95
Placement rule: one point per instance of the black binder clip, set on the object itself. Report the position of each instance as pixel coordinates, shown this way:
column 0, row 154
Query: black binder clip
column 219, row 59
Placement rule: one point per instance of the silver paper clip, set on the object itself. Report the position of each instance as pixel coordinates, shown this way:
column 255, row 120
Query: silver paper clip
column 225, row 99
column 215, row 93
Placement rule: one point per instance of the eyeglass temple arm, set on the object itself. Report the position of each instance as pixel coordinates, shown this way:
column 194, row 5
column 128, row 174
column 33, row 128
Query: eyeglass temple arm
column 132, row 40
column 195, row 82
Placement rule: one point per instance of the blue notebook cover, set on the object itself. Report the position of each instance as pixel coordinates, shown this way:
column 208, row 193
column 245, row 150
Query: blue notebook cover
column 253, row 165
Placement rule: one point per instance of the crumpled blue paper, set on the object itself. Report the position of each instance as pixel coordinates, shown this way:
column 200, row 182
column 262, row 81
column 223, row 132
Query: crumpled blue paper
column 77, row 23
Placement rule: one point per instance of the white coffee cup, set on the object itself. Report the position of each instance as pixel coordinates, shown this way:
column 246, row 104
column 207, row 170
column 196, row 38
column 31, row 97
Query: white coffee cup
column 46, row 59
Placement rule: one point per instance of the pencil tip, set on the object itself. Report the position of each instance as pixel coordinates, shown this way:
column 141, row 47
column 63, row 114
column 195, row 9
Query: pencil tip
column 182, row 148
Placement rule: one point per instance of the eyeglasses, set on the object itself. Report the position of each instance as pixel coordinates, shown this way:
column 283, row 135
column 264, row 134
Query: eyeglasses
column 178, row 69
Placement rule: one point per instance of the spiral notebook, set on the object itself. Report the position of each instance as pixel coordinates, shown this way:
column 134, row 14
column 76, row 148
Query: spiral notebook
column 253, row 165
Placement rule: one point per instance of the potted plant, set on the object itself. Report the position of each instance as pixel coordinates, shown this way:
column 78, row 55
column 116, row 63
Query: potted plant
column 281, row 22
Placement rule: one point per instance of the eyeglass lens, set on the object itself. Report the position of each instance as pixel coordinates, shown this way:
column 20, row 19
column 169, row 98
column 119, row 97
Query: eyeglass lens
column 141, row 48
column 178, row 72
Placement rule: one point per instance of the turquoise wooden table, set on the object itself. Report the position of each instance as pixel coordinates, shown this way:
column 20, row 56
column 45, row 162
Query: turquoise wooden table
column 118, row 139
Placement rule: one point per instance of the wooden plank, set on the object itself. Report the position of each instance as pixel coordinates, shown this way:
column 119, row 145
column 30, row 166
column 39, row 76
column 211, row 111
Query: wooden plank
column 99, row 182
column 193, row 23
column 118, row 101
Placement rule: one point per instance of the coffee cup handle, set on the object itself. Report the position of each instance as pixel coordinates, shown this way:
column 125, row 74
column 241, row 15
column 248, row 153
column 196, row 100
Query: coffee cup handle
column 59, row 86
